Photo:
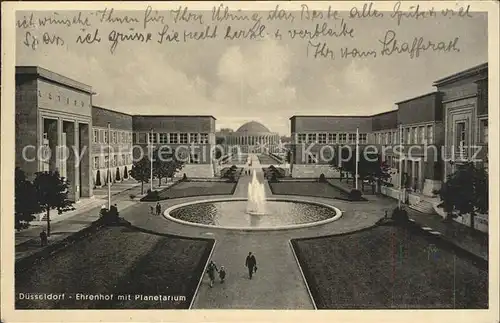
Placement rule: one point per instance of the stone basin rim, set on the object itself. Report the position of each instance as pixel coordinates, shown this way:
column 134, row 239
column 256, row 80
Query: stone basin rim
column 338, row 215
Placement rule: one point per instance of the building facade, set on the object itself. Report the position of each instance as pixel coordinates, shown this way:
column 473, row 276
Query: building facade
column 190, row 138
column 111, row 148
column 465, row 102
column 58, row 128
column 316, row 141
column 53, row 125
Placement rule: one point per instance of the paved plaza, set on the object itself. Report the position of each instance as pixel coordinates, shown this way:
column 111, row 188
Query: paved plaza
column 279, row 282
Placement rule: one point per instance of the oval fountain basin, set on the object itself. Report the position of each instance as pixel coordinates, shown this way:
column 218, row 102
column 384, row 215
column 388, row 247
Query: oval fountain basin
column 233, row 214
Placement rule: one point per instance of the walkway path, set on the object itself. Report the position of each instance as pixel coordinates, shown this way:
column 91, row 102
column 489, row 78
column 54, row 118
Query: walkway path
column 278, row 283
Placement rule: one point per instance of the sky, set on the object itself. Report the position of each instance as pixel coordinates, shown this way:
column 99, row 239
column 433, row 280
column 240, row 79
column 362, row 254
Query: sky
column 268, row 80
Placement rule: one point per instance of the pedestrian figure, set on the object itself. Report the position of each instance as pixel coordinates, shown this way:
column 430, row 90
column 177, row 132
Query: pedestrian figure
column 151, row 209
column 251, row 264
column 158, row 208
column 43, row 238
column 222, row 274
column 385, row 216
column 211, row 269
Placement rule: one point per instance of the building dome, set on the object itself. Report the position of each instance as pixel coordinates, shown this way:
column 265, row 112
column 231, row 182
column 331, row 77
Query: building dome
column 253, row 127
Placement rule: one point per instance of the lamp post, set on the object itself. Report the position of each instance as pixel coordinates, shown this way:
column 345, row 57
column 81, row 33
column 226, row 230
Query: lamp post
column 357, row 157
column 151, row 158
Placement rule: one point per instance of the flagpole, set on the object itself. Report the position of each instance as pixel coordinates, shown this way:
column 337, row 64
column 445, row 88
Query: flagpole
column 108, row 175
column 400, row 164
column 357, row 156
column 151, row 159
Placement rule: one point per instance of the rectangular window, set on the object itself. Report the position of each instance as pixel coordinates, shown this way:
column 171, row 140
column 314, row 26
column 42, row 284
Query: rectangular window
column 115, row 160
column 311, row 138
column 163, row 138
column 342, row 138
column 422, row 135
column 106, row 161
column 332, row 138
column 204, row 138
column 408, row 136
column 96, row 163
column 430, row 135
column 183, row 138
column 173, row 138
column 193, row 138
column 106, row 139
column 301, row 138
column 130, row 137
column 96, row 136
column 483, row 131
column 363, row 138
column 152, row 138
column 415, row 135
column 352, row 138
column 460, row 135
column 123, row 161
column 322, row 138
column 113, row 137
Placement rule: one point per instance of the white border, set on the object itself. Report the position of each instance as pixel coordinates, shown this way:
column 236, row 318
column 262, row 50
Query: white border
column 302, row 274
column 202, row 275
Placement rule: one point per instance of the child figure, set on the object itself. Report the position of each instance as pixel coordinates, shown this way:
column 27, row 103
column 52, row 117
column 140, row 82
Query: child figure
column 222, row 274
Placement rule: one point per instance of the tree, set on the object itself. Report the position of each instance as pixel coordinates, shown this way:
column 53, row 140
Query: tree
column 26, row 203
column 370, row 165
column 165, row 167
column 141, row 171
column 52, row 192
column 98, row 178
column 465, row 192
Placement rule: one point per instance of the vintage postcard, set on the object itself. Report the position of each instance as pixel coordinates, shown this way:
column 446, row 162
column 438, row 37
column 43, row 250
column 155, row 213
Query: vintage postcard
column 184, row 161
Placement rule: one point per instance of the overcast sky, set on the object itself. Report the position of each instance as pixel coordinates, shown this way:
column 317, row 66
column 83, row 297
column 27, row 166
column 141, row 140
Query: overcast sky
column 267, row 81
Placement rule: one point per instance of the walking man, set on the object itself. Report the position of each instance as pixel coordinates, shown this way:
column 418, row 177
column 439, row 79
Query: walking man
column 43, row 238
column 211, row 269
column 158, row 208
column 251, row 264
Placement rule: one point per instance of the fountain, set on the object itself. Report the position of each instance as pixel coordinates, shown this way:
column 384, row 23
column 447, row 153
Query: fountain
column 256, row 204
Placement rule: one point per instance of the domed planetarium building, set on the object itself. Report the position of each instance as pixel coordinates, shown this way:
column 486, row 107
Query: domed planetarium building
column 253, row 137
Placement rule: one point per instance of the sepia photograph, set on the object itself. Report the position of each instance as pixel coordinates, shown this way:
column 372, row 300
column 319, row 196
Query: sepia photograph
column 271, row 156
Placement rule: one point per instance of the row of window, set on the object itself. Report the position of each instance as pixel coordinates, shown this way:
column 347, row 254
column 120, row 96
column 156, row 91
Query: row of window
column 171, row 138
column 331, row 138
column 116, row 160
column 117, row 136
column 77, row 103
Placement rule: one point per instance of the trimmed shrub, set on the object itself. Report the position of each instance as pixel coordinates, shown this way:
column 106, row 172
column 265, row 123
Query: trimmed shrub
column 322, row 178
column 400, row 215
column 125, row 173
column 153, row 195
column 355, row 195
column 118, row 178
column 184, row 177
column 132, row 196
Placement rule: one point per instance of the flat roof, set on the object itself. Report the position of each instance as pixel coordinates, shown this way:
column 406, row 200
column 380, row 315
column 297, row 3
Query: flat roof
column 54, row 77
column 328, row 116
column 173, row 115
column 418, row 97
column 382, row 113
column 462, row 74
column 114, row 111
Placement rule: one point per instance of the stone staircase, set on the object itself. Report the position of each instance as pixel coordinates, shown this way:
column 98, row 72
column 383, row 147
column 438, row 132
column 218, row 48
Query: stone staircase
column 423, row 206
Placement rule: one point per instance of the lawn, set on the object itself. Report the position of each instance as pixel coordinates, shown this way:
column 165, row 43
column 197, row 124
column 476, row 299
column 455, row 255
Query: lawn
column 192, row 188
column 307, row 189
column 117, row 260
column 388, row 267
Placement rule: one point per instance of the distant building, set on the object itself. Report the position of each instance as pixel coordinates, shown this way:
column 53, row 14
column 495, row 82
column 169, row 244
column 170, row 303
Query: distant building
column 253, row 137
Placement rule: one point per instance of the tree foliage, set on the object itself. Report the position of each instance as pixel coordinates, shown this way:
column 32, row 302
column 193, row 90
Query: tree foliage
column 465, row 192
column 52, row 192
column 165, row 166
column 26, row 203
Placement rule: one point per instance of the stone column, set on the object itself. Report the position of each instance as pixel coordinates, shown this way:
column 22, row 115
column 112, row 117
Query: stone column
column 70, row 160
column 85, row 165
